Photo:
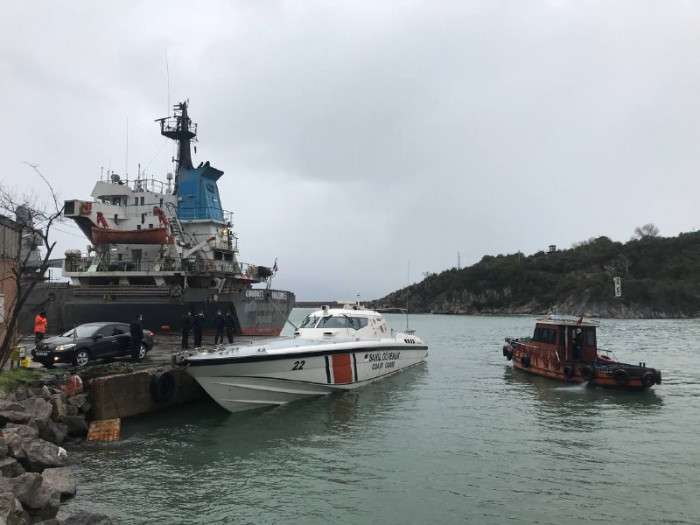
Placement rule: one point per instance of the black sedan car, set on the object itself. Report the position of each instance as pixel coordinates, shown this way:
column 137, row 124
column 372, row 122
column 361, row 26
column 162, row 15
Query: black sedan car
column 91, row 341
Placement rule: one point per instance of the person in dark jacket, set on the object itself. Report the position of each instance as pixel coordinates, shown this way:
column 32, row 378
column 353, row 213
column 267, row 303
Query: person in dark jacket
column 197, row 325
column 230, row 325
column 136, row 331
column 219, row 324
column 186, row 327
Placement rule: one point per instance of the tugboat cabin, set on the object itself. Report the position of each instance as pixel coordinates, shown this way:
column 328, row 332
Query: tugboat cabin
column 573, row 339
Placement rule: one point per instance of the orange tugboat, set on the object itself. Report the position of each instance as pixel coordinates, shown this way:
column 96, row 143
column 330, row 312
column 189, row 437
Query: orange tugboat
column 565, row 348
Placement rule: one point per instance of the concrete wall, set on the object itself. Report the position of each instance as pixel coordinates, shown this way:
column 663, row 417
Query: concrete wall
column 126, row 395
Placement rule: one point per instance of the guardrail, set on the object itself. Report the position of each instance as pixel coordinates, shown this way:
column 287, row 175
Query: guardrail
column 91, row 265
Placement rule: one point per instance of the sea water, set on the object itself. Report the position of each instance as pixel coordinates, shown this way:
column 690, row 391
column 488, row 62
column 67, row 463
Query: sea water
column 464, row 438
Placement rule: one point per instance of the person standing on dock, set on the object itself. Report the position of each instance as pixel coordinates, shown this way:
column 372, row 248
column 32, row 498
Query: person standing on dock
column 230, row 323
column 197, row 324
column 40, row 324
column 136, row 331
column 186, row 327
column 219, row 323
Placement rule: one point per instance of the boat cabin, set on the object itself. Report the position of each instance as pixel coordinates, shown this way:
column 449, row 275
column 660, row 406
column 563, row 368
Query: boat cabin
column 344, row 322
column 571, row 338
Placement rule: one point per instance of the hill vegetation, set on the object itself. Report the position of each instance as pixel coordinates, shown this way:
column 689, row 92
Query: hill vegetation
column 660, row 278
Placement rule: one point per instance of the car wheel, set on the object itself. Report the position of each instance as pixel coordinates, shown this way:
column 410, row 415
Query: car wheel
column 82, row 358
column 141, row 353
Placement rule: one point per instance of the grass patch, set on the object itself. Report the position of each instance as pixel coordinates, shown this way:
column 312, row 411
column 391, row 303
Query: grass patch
column 11, row 379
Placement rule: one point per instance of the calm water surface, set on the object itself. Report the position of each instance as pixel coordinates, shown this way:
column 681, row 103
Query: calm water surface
column 462, row 439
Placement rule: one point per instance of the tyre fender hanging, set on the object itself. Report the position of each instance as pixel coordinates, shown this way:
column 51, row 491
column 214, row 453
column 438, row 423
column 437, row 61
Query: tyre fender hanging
column 163, row 387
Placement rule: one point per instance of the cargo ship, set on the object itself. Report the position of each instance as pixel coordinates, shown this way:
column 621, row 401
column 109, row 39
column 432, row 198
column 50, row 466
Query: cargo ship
column 160, row 249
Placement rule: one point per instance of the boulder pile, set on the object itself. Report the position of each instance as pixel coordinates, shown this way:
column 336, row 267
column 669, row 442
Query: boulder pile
column 35, row 471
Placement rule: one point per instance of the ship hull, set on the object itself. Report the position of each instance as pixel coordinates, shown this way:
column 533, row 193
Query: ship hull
column 256, row 312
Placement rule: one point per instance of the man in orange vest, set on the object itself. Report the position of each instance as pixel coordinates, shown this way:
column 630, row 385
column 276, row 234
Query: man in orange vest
column 40, row 324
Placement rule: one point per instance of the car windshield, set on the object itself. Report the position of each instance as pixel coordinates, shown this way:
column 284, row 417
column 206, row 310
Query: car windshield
column 85, row 330
column 309, row 322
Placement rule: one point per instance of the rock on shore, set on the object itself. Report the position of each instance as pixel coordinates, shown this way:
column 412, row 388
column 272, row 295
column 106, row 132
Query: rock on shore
column 35, row 472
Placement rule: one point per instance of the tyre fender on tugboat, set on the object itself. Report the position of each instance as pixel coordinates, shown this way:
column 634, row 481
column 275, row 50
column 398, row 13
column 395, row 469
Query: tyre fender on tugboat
column 507, row 352
column 525, row 361
column 621, row 376
column 568, row 371
column 163, row 387
column 586, row 372
column 648, row 379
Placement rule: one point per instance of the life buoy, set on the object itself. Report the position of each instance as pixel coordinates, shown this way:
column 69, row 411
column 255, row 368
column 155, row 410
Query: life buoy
column 621, row 376
column 648, row 379
column 86, row 208
column 587, row 372
column 507, row 352
column 568, row 371
column 525, row 361
column 163, row 387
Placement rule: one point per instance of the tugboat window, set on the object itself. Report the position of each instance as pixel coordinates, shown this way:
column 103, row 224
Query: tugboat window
column 545, row 335
column 589, row 334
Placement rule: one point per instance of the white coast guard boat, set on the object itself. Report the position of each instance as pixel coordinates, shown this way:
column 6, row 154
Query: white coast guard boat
column 333, row 349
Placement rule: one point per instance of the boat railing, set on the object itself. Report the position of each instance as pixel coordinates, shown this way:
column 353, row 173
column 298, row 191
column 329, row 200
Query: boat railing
column 193, row 213
column 241, row 270
column 140, row 184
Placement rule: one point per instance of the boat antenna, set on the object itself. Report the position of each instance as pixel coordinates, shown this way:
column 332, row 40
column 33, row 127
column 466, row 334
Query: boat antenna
column 126, row 155
column 167, row 74
column 408, row 284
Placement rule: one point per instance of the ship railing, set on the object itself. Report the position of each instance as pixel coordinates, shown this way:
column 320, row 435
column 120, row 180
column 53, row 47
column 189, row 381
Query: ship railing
column 193, row 213
column 139, row 184
column 191, row 265
column 150, row 184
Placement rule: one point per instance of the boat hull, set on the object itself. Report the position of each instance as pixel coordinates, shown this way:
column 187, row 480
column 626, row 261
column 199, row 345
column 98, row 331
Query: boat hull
column 254, row 383
column 619, row 376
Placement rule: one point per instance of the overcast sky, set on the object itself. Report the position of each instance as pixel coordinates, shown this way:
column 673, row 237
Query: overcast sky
column 356, row 137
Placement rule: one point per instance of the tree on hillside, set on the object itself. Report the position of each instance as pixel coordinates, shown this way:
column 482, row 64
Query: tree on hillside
column 646, row 231
column 34, row 222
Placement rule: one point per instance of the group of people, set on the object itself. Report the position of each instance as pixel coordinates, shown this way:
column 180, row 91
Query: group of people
column 190, row 323
column 195, row 324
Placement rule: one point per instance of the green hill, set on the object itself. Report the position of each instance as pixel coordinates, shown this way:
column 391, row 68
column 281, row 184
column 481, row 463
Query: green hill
column 660, row 278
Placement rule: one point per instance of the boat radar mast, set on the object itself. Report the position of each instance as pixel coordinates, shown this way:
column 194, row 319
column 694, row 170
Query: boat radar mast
column 181, row 129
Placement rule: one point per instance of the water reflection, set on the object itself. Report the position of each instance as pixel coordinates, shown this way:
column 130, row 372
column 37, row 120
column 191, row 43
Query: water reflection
column 212, row 435
column 572, row 399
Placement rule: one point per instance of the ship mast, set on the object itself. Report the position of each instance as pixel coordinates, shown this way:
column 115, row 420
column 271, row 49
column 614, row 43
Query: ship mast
column 180, row 129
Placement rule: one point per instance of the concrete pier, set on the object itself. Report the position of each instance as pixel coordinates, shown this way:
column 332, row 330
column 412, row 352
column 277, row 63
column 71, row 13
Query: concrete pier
column 132, row 394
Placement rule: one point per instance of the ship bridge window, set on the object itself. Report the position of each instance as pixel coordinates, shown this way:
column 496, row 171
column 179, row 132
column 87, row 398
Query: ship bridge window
column 309, row 322
column 228, row 257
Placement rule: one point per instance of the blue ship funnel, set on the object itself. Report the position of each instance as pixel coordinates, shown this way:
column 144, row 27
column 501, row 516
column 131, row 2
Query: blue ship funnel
column 198, row 194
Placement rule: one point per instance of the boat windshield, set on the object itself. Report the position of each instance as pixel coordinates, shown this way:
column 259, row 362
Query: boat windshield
column 309, row 322
column 333, row 322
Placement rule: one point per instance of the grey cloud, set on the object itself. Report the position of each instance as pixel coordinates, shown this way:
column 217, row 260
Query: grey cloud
column 356, row 137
